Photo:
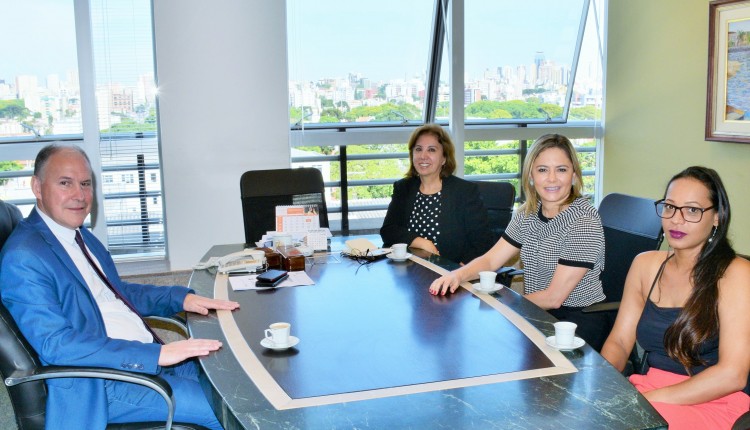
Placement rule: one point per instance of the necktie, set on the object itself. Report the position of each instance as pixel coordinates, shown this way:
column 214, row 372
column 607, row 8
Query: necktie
column 103, row 277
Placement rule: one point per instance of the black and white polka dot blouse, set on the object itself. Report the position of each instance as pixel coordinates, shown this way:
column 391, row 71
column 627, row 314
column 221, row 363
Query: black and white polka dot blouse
column 424, row 217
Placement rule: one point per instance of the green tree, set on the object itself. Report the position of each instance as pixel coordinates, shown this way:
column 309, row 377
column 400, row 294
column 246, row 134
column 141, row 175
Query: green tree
column 295, row 114
column 9, row 166
column 326, row 103
column 585, row 112
column 384, row 112
column 13, row 109
column 375, row 169
column 128, row 125
column 333, row 113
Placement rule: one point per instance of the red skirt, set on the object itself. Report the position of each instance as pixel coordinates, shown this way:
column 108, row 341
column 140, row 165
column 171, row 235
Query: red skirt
column 716, row 414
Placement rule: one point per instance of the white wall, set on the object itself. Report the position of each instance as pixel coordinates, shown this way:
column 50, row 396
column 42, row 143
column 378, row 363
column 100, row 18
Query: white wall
column 221, row 71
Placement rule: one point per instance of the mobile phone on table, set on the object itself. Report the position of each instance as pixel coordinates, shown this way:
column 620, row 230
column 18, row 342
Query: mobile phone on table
column 271, row 278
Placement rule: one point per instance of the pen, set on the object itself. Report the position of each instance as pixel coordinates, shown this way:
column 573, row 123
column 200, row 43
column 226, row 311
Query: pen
column 240, row 273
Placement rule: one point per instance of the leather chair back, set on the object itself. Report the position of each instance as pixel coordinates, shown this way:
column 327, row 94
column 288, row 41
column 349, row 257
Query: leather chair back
column 262, row 190
column 16, row 354
column 498, row 199
column 10, row 216
column 631, row 226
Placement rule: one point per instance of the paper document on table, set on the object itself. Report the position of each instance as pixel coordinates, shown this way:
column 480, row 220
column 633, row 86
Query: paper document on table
column 247, row 282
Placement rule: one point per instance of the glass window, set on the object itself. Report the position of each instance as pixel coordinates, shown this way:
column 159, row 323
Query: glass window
column 530, row 62
column 126, row 109
column 353, row 62
column 39, row 95
column 39, row 89
column 520, row 62
column 124, row 66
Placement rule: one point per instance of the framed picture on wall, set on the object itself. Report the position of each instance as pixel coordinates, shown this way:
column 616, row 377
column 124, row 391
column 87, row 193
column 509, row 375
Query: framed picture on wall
column 728, row 95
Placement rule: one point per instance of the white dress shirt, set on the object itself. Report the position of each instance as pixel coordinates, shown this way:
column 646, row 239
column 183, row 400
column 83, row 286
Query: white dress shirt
column 119, row 320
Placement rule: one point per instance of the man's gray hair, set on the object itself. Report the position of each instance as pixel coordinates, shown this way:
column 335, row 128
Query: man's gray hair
column 42, row 158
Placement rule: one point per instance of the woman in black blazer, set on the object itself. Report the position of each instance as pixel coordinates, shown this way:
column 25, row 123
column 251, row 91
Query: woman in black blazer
column 433, row 210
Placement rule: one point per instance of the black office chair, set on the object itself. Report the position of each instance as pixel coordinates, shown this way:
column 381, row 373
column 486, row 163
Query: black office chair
column 498, row 199
column 263, row 190
column 10, row 216
column 24, row 378
column 631, row 226
column 743, row 422
column 24, row 374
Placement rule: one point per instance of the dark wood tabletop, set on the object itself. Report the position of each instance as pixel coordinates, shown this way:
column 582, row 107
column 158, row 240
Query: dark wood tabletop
column 376, row 350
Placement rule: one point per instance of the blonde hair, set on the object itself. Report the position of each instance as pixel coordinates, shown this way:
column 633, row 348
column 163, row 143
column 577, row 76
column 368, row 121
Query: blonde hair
column 449, row 150
column 540, row 145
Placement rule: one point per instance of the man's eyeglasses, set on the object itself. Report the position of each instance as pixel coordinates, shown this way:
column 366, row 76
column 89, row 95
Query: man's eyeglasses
column 689, row 213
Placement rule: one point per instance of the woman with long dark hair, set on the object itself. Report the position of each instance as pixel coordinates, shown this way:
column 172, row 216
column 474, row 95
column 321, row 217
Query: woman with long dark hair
column 689, row 308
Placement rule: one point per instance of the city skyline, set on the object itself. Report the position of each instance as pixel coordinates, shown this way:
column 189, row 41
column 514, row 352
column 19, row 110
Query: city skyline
column 393, row 26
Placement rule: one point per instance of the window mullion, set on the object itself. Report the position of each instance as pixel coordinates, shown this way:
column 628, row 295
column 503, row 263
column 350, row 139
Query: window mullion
column 434, row 61
column 86, row 77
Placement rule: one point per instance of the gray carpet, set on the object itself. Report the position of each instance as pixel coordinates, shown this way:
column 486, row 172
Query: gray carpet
column 7, row 419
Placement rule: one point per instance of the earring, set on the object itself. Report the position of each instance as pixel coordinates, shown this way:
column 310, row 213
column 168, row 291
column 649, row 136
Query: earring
column 574, row 181
column 531, row 182
column 713, row 233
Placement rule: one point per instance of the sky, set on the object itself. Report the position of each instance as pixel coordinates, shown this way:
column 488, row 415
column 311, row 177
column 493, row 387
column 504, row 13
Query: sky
column 51, row 50
column 392, row 35
column 383, row 42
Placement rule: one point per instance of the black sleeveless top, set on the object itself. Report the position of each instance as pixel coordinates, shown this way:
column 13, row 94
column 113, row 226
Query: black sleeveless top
column 650, row 334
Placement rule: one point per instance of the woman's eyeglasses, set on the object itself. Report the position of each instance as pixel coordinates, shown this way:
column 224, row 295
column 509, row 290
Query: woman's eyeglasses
column 689, row 213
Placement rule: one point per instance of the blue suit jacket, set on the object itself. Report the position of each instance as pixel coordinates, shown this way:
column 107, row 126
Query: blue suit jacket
column 54, row 308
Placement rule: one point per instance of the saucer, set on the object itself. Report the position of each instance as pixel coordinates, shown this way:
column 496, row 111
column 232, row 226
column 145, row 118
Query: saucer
column 577, row 343
column 478, row 288
column 406, row 257
column 270, row 345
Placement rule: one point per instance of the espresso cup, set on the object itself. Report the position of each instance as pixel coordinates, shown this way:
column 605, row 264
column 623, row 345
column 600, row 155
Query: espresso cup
column 564, row 333
column 399, row 250
column 487, row 279
column 278, row 333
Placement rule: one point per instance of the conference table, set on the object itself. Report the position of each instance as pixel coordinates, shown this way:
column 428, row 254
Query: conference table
column 376, row 350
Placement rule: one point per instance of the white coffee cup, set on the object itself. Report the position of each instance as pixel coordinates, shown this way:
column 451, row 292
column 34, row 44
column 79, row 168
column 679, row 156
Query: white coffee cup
column 399, row 250
column 564, row 333
column 278, row 333
column 487, row 279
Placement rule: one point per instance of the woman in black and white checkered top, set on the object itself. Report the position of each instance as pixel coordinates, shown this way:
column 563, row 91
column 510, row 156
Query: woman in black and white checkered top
column 559, row 236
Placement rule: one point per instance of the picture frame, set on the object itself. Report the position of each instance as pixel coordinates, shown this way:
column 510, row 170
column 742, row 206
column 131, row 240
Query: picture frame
column 728, row 95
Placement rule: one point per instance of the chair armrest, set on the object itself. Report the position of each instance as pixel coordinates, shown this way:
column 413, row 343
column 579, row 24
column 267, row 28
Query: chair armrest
column 601, row 307
column 153, row 382
column 505, row 275
column 176, row 321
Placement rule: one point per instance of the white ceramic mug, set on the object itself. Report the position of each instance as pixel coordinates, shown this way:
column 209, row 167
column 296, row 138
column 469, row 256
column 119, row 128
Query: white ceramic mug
column 399, row 250
column 564, row 333
column 278, row 333
column 487, row 279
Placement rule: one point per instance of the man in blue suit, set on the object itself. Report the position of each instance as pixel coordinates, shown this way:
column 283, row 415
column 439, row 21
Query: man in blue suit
column 74, row 309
